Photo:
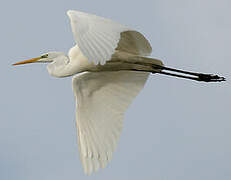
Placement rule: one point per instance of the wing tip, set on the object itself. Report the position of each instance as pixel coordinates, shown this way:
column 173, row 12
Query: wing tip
column 70, row 13
column 91, row 166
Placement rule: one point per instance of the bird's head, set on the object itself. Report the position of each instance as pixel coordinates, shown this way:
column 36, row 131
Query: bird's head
column 45, row 58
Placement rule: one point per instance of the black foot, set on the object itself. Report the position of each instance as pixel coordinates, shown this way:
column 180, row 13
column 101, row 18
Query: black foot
column 210, row 78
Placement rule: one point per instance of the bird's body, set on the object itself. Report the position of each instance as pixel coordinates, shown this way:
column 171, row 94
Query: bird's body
column 76, row 63
column 109, row 65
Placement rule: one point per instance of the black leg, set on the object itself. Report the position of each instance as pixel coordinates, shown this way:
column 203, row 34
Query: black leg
column 193, row 75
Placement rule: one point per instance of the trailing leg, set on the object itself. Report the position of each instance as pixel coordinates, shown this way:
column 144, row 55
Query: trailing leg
column 190, row 75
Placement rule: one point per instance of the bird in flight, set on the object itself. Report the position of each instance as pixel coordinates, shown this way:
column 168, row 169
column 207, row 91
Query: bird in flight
column 110, row 66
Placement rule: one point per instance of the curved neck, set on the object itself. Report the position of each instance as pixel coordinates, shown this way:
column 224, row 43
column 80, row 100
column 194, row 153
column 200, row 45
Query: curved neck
column 61, row 67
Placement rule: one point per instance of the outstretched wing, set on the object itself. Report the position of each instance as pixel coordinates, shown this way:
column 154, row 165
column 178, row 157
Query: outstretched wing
column 98, row 37
column 101, row 99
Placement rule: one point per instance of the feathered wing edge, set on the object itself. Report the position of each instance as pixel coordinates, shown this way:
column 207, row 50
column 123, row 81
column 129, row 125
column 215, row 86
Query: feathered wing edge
column 98, row 38
column 102, row 98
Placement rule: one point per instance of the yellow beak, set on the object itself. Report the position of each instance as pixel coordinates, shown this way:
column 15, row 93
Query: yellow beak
column 28, row 61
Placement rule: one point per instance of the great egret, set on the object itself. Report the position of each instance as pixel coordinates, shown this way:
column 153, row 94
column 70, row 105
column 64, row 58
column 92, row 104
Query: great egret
column 110, row 68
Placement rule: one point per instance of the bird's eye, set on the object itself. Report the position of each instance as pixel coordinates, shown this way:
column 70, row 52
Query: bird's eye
column 44, row 56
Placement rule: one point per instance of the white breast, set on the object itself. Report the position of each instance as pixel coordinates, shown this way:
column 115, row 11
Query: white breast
column 78, row 62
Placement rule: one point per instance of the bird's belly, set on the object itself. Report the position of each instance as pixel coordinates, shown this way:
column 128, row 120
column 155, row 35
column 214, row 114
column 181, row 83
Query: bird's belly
column 119, row 61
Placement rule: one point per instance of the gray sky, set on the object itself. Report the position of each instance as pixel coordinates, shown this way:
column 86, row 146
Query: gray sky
column 175, row 129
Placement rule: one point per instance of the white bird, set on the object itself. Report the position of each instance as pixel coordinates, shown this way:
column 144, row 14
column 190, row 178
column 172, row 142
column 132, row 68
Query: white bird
column 110, row 68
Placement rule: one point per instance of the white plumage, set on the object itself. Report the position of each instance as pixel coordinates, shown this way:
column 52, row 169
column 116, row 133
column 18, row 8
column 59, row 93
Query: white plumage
column 101, row 100
column 109, row 71
column 98, row 37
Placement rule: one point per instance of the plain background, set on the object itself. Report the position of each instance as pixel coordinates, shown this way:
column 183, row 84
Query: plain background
column 175, row 129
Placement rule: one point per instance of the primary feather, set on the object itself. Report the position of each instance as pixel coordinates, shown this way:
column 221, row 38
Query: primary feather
column 98, row 37
column 101, row 99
